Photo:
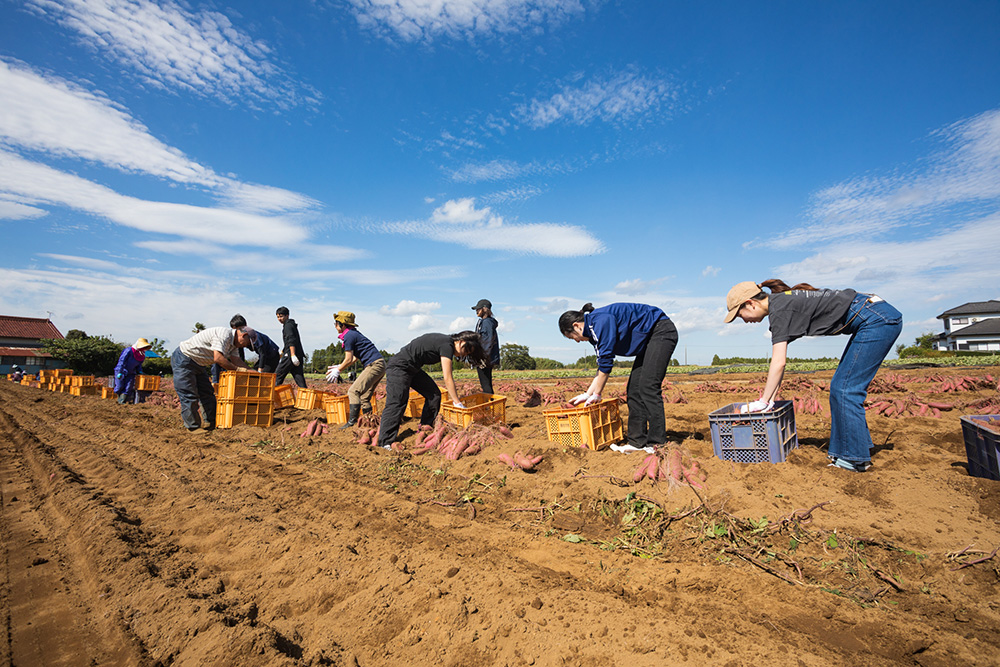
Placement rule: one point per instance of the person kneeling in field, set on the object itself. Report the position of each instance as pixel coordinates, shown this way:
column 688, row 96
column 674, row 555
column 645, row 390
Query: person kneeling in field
column 357, row 346
column 404, row 371
column 191, row 361
column 803, row 310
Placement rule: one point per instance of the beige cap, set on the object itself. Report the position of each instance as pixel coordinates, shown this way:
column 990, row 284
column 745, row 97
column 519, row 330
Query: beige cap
column 141, row 344
column 740, row 294
column 345, row 317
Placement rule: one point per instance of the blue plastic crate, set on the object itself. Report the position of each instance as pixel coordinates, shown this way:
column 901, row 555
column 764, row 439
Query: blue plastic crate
column 982, row 445
column 757, row 437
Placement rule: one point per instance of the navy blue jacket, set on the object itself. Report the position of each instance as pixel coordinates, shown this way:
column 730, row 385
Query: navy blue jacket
column 620, row 329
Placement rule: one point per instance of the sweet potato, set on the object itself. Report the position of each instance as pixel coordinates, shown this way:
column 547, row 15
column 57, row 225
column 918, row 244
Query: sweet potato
column 643, row 469
column 508, row 460
column 941, row 406
column 505, row 431
column 523, row 462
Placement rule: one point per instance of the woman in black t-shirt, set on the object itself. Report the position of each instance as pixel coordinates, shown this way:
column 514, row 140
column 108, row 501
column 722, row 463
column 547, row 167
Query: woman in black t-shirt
column 803, row 310
column 404, row 371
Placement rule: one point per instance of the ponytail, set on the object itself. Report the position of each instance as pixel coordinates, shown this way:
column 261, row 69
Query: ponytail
column 777, row 285
column 571, row 317
column 474, row 352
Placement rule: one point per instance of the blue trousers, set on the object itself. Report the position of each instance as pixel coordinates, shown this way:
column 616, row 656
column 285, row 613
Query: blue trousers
column 192, row 384
column 874, row 327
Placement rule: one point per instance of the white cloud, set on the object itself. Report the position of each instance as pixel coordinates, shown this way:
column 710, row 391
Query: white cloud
column 40, row 184
column 515, row 194
column 636, row 286
column 501, row 170
column 464, row 324
column 423, row 322
column 12, row 210
column 458, row 221
column 408, row 308
column 624, row 96
column 956, row 183
column 417, row 20
column 171, row 47
column 50, row 115
column 710, row 271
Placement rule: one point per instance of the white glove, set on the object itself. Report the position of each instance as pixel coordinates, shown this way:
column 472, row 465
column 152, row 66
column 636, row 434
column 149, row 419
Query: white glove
column 459, row 404
column 576, row 400
column 756, row 406
column 594, row 398
column 332, row 373
column 295, row 360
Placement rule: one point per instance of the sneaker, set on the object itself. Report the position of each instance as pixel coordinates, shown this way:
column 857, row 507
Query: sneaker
column 192, row 429
column 860, row 466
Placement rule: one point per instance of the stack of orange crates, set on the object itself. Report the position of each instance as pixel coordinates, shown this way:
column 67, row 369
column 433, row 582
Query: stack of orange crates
column 245, row 398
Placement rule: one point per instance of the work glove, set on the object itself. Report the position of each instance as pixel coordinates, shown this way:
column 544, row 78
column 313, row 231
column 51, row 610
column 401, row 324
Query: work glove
column 460, row 404
column 295, row 360
column 594, row 398
column 333, row 373
column 756, row 406
column 577, row 400
column 119, row 375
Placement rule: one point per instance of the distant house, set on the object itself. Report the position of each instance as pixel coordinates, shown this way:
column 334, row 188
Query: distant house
column 21, row 342
column 972, row 326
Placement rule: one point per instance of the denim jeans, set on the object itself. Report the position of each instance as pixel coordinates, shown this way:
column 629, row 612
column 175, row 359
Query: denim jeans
column 192, row 384
column 647, row 424
column 874, row 327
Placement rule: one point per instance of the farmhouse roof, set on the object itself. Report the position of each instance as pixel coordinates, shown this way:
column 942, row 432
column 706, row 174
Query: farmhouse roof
column 987, row 327
column 34, row 328
column 973, row 308
column 22, row 352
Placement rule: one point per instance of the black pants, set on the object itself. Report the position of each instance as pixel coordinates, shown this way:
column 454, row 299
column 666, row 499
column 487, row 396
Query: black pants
column 398, row 382
column 486, row 379
column 268, row 364
column 285, row 367
column 646, row 422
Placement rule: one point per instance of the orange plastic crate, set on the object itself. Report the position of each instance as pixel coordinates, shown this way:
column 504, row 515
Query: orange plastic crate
column 309, row 399
column 81, row 380
column 88, row 390
column 243, row 384
column 107, row 392
column 479, row 409
column 283, row 396
column 336, row 408
column 243, row 411
column 594, row 427
column 147, row 382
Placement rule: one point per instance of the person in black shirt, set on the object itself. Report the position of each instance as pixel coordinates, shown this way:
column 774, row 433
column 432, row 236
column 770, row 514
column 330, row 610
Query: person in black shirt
column 404, row 371
column 486, row 327
column 803, row 310
column 292, row 357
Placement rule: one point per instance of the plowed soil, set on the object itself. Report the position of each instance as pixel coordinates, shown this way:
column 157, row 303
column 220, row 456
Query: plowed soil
column 126, row 540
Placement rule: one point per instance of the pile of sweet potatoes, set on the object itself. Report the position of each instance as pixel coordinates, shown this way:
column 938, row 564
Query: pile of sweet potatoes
column 907, row 406
column 669, row 464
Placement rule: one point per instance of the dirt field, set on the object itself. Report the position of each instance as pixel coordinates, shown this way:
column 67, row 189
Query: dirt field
column 125, row 540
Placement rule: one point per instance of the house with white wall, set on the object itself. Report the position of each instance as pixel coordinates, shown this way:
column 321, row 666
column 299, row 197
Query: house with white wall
column 973, row 326
column 21, row 342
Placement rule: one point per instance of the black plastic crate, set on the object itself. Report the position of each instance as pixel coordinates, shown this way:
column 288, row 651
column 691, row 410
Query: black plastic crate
column 982, row 445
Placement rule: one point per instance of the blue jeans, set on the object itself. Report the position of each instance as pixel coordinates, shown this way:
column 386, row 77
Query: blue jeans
column 192, row 384
column 874, row 327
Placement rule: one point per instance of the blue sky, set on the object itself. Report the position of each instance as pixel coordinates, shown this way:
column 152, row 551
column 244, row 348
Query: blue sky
column 165, row 163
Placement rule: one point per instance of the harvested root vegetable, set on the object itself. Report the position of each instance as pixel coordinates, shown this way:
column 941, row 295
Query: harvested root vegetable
column 397, row 447
column 508, row 460
column 643, row 469
column 505, row 431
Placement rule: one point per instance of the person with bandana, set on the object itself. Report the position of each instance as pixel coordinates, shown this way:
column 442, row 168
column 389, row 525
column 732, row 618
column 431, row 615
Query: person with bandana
column 128, row 367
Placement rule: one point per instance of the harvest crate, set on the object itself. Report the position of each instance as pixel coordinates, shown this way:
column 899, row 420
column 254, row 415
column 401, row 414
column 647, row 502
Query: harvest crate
column 243, row 411
column 479, row 408
column 107, row 392
column 237, row 384
column 309, row 399
column 85, row 390
column 596, row 426
column 756, row 437
column 982, row 445
column 283, row 396
column 415, row 405
column 81, row 381
column 147, row 382
column 336, row 408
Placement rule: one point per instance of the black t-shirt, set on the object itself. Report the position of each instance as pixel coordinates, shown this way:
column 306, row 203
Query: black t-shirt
column 794, row 314
column 425, row 350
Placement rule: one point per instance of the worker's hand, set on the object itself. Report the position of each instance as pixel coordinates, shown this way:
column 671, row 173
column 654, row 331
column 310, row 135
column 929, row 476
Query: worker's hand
column 460, row 404
column 119, row 375
column 756, row 406
column 295, row 360
column 594, row 398
column 333, row 373
column 577, row 400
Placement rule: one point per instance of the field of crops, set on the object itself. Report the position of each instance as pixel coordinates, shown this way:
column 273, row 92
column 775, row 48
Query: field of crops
column 126, row 540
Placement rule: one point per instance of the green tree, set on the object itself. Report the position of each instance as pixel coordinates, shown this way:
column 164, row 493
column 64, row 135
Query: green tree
column 198, row 327
column 323, row 359
column 716, row 361
column 76, row 334
column 515, row 357
column 158, row 346
column 589, row 361
column 90, row 355
column 541, row 363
